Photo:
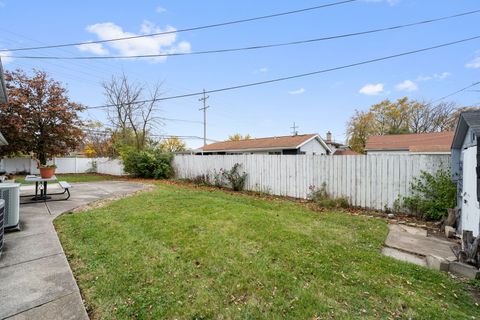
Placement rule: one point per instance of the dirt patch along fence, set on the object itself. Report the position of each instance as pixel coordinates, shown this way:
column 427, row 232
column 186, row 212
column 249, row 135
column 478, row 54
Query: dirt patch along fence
column 373, row 181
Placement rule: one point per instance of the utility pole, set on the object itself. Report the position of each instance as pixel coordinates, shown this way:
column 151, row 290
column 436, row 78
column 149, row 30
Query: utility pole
column 204, row 109
column 294, row 129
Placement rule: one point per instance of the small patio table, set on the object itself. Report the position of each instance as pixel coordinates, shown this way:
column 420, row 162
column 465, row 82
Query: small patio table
column 38, row 182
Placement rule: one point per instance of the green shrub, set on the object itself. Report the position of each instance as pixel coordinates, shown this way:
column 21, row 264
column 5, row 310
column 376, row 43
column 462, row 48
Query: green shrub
column 148, row 164
column 323, row 199
column 218, row 178
column 431, row 195
column 202, row 180
column 235, row 178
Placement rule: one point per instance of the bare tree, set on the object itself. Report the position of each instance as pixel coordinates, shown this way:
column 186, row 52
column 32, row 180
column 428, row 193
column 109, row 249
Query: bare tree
column 453, row 119
column 425, row 117
column 131, row 109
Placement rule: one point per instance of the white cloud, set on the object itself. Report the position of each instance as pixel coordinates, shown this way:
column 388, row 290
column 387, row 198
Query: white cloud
column 372, row 89
column 423, row 78
column 435, row 76
column 6, row 56
column 95, row 48
column 261, row 70
column 298, row 91
column 160, row 9
column 407, row 85
column 442, row 76
column 475, row 63
column 140, row 46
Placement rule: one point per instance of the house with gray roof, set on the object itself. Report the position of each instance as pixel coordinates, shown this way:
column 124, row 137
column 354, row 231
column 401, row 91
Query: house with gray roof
column 466, row 170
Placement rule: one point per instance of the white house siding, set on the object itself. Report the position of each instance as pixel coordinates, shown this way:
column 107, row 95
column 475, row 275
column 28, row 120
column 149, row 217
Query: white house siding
column 253, row 152
column 469, row 140
column 470, row 217
column 467, row 194
column 313, row 147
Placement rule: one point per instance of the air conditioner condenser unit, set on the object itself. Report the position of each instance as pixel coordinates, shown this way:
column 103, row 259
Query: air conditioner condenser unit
column 2, row 217
column 10, row 193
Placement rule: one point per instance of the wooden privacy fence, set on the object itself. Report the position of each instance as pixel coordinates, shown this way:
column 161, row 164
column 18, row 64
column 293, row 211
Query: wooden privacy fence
column 373, row 181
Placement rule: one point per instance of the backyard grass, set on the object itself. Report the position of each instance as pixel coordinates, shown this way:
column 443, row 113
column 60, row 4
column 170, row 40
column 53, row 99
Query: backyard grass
column 177, row 252
column 78, row 177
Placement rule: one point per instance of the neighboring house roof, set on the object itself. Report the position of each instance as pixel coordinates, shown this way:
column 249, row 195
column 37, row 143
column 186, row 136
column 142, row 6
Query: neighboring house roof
column 341, row 152
column 3, row 89
column 415, row 142
column 467, row 119
column 270, row 143
column 335, row 144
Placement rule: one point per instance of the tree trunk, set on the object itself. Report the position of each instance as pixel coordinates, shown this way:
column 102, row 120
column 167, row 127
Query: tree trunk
column 469, row 251
column 42, row 158
column 452, row 219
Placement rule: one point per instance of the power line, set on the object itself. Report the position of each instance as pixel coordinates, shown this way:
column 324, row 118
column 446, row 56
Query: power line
column 180, row 120
column 248, row 48
column 457, row 92
column 163, row 119
column 151, row 135
column 302, row 75
column 216, row 25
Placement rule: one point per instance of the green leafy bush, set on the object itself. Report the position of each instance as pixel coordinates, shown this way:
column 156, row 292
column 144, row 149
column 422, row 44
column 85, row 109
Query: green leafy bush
column 148, row 164
column 218, row 178
column 235, row 178
column 431, row 195
column 323, row 199
column 202, row 180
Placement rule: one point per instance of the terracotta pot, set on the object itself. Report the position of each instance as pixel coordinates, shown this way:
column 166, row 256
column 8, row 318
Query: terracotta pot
column 47, row 173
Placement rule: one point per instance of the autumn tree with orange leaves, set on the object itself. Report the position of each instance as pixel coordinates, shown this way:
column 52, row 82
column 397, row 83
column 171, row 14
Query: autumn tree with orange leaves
column 38, row 118
column 397, row 117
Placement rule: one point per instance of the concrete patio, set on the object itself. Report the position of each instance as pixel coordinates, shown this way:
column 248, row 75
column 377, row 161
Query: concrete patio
column 36, row 279
column 415, row 246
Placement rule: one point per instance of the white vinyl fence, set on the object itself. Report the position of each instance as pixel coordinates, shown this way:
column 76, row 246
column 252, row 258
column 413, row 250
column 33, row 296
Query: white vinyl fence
column 112, row 167
column 373, row 181
column 65, row 165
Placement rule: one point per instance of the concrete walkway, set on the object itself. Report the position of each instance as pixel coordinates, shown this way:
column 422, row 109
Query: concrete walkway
column 414, row 245
column 36, row 281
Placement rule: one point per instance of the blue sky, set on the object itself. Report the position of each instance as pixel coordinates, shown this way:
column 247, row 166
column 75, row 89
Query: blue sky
column 317, row 104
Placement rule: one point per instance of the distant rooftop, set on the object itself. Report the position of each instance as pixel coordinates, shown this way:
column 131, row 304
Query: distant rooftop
column 282, row 142
column 413, row 142
column 346, row 152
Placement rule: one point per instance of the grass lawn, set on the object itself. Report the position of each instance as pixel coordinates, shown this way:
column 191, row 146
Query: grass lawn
column 177, row 252
column 77, row 177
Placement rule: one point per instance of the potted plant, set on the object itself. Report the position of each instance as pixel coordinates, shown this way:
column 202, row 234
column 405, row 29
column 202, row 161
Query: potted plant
column 47, row 171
